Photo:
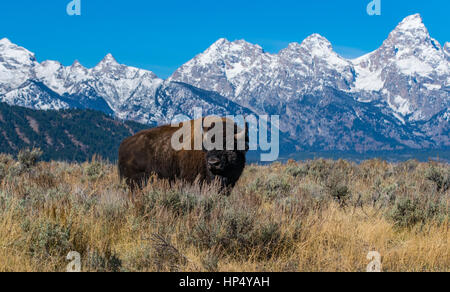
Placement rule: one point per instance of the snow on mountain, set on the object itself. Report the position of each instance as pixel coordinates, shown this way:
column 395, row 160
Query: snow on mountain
column 35, row 95
column 127, row 92
column 447, row 51
column 109, row 86
column 246, row 74
column 224, row 67
column 117, row 83
column 316, row 61
column 53, row 74
column 407, row 77
column 394, row 97
column 16, row 65
column 408, row 70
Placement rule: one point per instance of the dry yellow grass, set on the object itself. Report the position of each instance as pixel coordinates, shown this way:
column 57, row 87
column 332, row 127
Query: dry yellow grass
column 314, row 216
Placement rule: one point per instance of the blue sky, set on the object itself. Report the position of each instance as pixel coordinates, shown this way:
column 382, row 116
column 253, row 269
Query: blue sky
column 162, row 35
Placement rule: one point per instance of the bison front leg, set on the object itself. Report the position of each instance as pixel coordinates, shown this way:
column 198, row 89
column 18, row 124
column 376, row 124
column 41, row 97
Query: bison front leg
column 226, row 186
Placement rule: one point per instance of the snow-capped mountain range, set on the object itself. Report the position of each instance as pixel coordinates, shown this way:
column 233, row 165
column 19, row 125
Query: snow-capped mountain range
column 395, row 97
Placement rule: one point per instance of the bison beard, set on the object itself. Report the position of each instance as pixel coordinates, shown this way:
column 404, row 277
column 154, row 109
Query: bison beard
column 150, row 152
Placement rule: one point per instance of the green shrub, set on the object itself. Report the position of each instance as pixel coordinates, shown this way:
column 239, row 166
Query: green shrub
column 94, row 170
column 441, row 177
column 237, row 226
column 104, row 262
column 166, row 257
column 408, row 212
column 180, row 203
column 3, row 171
column 267, row 236
column 5, row 161
column 210, row 262
column 29, row 158
column 297, row 170
column 337, row 187
column 274, row 186
column 47, row 239
column 231, row 231
column 320, row 168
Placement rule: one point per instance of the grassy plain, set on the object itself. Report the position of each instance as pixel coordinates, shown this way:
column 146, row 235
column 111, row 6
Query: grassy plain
column 318, row 215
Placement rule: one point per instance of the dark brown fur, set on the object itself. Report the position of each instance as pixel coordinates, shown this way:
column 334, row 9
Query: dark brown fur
column 150, row 152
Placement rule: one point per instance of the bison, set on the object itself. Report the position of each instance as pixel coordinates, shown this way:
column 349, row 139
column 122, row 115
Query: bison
column 151, row 152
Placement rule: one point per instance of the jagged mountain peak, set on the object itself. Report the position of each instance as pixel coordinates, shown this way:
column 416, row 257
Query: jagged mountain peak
column 414, row 21
column 223, row 43
column 108, row 60
column 76, row 63
column 225, row 60
column 409, row 70
column 223, row 48
column 77, row 69
column 317, row 41
column 313, row 41
column 411, row 31
column 314, row 46
column 220, row 42
column 15, row 54
column 411, row 49
column 323, row 99
column 16, row 65
column 410, row 39
column 110, row 68
column 4, row 41
column 47, row 63
column 316, row 53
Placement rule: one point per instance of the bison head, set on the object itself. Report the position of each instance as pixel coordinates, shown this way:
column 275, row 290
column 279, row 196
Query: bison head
column 226, row 145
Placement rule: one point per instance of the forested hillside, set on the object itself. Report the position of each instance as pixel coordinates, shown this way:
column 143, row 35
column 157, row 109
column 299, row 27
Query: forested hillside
column 72, row 135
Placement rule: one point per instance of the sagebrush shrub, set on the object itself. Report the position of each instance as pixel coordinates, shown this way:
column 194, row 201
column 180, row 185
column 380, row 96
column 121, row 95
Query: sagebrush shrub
column 94, row 170
column 29, row 158
column 180, row 203
column 5, row 160
column 279, row 217
column 273, row 186
column 440, row 177
column 408, row 212
column 267, row 238
column 320, row 169
column 166, row 256
column 106, row 261
column 3, row 171
column 47, row 239
column 237, row 226
column 337, row 187
column 210, row 261
column 297, row 171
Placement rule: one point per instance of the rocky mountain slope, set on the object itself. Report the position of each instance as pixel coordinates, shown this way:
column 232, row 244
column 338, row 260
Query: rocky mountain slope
column 72, row 135
column 396, row 97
